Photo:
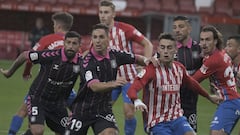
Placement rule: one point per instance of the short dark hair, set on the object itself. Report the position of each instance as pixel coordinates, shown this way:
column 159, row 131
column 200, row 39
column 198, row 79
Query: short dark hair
column 66, row 19
column 166, row 36
column 216, row 35
column 236, row 38
column 181, row 18
column 73, row 34
column 107, row 3
column 101, row 26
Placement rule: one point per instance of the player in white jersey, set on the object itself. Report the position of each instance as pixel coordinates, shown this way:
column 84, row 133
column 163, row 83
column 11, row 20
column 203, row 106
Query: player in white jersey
column 121, row 36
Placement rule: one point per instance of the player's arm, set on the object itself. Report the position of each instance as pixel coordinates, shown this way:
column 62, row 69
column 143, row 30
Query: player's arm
column 139, row 83
column 98, row 86
column 148, row 47
column 194, row 85
column 16, row 64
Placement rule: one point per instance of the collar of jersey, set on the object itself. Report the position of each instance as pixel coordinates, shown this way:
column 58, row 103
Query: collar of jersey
column 189, row 44
column 65, row 59
column 100, row 57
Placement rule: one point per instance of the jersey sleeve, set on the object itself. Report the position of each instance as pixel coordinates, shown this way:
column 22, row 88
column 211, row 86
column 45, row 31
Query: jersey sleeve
column 124, row 57
column 146, row 75
column 133, row 34
column 193, row 84
column 41, row 44
column 208, row 67
column 43, row 56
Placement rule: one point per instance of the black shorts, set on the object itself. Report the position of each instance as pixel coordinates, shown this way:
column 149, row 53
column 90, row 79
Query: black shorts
column 192, row 118
column 56, row 118
column 79, row 125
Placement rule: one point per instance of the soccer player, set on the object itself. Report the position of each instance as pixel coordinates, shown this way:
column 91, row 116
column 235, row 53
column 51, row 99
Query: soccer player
column 47, row 95
column 161, row 104
column 92, row 106
column 62, row 23
column 233, row 50
column 217, row 66
column 189, row 54
column 121, row 37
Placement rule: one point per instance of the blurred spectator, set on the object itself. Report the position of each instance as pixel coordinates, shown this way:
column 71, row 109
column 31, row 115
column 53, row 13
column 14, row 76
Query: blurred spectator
column 38, row 31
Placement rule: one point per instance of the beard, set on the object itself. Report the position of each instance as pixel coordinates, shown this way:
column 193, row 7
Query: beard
column 70, row 54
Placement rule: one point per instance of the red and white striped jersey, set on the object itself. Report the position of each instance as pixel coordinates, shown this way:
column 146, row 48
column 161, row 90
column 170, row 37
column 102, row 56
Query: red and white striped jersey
column 218, row 67
column 162, row 91
column 121, row 37
column 236, row 69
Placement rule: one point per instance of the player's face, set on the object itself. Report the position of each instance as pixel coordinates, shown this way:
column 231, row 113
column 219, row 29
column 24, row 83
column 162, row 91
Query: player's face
column 106, row 15
column 71, row 46
column 181, row 30
column 166, row 49
column 207, row 42
column 232, row 48
column 100, row 41
column 55, row 26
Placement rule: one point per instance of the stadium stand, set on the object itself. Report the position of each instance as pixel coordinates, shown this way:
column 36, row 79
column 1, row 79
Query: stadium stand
column 169, row 6
column 223, row 7
column 13, row 37
column 152, row 5
column 187, row 6
column 235, row 7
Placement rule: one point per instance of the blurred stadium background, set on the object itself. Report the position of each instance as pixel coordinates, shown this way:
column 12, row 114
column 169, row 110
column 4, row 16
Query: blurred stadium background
column 151, row 17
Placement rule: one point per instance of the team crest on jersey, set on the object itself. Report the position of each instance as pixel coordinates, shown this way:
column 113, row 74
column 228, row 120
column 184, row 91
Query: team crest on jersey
column 113, row 64
column 76, row 68
column 203, row 69
column 141, row 73
column 33, row 56
column 88, row 75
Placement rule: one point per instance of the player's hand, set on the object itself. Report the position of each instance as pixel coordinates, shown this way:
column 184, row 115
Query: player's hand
column 154, row 61
column 215, row 99
column 120, row 81
column 139, row 105
column 26, row 77
column 5, row 73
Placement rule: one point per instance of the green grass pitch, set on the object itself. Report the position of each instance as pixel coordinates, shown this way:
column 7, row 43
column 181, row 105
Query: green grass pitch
column 14, row 89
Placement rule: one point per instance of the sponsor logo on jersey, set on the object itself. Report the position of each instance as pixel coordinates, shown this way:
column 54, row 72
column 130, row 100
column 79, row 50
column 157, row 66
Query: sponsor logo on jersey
column 55, row 66
column 88, row 75
column 34, row 56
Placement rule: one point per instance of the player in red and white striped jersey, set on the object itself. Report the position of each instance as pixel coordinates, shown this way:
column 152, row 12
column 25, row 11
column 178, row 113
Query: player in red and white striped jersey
column 161, row 96
column 233, row 50
column 121, row 37
column 217, row 66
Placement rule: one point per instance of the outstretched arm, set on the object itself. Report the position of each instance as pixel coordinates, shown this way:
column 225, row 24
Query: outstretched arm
column 97, row 86
column 16, row 64
column 148, row 47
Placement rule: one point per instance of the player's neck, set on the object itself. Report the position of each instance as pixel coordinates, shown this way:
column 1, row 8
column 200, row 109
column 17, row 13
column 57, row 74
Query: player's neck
column 185, row 42
column 236, row 60
column 111, row 24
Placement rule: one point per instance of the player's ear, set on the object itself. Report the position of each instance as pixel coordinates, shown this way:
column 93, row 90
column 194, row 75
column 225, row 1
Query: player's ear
column 238, row 49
